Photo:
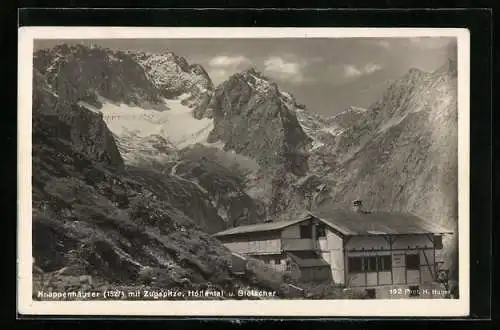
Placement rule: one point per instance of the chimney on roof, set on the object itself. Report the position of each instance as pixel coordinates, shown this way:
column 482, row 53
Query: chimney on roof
column 357, row 206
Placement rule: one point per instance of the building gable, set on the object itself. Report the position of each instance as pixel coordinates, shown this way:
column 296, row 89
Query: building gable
column 351, row 223
column 277, row 226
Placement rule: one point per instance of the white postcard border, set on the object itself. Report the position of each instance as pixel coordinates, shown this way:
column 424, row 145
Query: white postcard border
column 281, row 308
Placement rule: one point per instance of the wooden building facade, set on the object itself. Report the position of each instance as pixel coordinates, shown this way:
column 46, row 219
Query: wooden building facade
column 354, row 248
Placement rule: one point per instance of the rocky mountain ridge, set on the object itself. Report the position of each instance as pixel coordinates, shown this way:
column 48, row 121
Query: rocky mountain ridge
column 100, row 225
column 401, row 153
column 173, row 76
column 153, row 103
column 243, row 151
column 79, row 73
column 252, row 117
column 94, row 215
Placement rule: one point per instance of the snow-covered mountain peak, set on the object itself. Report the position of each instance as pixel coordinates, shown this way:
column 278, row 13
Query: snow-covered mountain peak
column 125, row 88
column 79, row 73
column 259, row 84
column 173, row 76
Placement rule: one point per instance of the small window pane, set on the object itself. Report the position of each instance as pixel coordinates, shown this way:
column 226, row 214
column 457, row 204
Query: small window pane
column 371, row 264
column 438, row 242
column 385, row 263
column 412, row 261
column 306, row 231
column 355, row 264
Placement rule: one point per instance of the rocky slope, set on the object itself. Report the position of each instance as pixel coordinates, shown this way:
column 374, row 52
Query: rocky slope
column 151, row 102
column 151, row 137
column 251, row 117
column 173, row 76
column 254, row 118
column 409, row 137
column 93, row 215
column 225, row 177
column 248, row 117
column 100, row 225
column 79, row 73
column 100, row 222
column 401, row 153
column 133, row 132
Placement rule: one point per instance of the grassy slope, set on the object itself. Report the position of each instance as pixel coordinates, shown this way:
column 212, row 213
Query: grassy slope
column 100, row 225
column 108, row 224
column 124, row 232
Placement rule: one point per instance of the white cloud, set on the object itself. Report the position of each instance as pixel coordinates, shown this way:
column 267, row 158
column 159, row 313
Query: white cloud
column 224, row 61
column 278, row 64
column 285, row 70
column 371, row 68
column 219, row 75
column 221, row 67
column 351, row 70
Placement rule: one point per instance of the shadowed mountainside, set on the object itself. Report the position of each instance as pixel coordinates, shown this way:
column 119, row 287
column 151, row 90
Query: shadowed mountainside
column 127, row 227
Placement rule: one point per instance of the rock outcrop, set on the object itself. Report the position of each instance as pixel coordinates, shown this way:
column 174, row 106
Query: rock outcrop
column 401, row 153
column 94, row 216
column 137, row 158
column 174, row 77
column 251, row 118
column 79, row 73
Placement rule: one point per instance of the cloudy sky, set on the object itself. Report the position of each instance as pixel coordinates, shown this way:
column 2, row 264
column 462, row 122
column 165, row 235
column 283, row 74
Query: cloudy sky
column 326, row 75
